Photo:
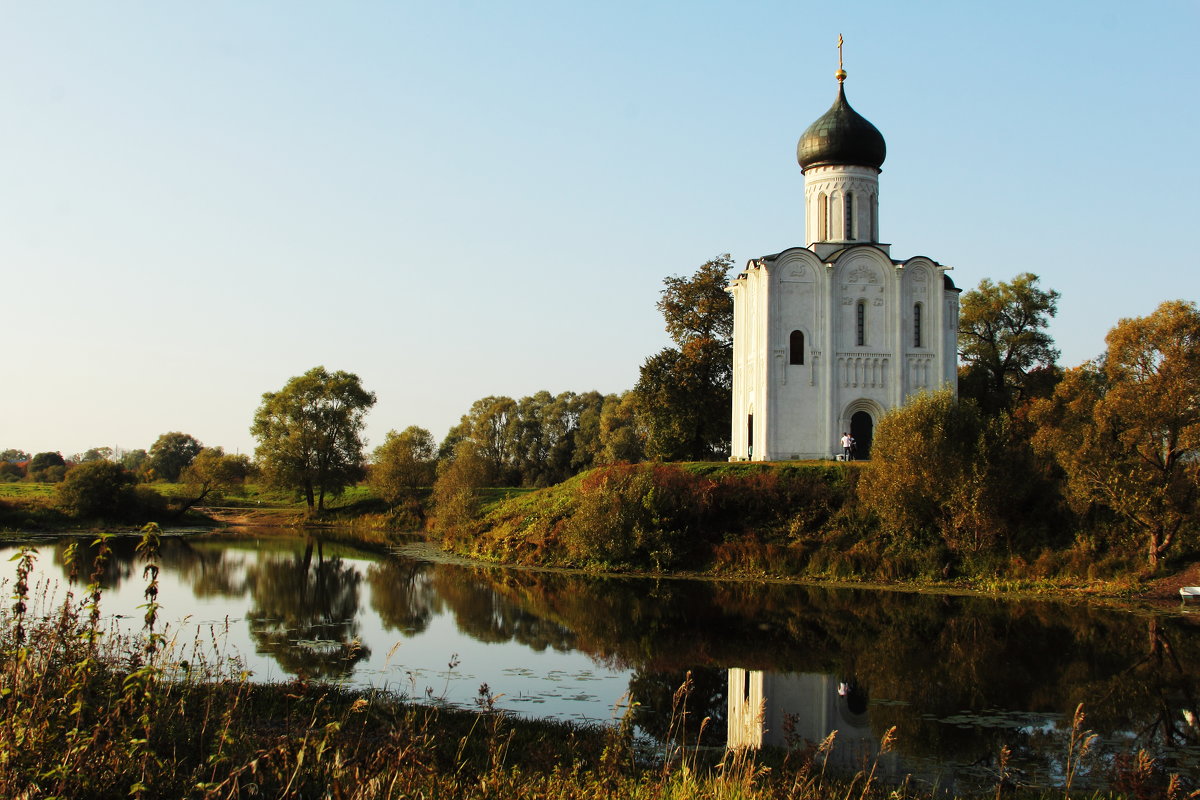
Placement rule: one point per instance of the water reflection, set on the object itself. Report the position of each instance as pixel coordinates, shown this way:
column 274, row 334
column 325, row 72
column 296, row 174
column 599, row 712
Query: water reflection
column 305, row 613
column 792, row 710
column 770, row 664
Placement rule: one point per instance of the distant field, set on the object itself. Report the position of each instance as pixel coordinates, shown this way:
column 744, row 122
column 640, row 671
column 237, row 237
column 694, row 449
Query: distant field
column 25, row 491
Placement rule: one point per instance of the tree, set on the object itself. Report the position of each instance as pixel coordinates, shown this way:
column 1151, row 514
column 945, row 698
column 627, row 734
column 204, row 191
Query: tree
column 1126, row 429
column 134, row 460
column 456, row 491
column 404, row 462
column 93, row 454
column 684, row 392
column 96, row 489
column 171, row 453
column 683, row 401
column 13, row 456
column 211, row 474
column 46, row 468
column 1002, row 337
column 310, row 433
column 622, row 438
column 943, row 473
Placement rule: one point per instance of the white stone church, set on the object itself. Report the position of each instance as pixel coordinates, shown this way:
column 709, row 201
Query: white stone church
column 829, row 336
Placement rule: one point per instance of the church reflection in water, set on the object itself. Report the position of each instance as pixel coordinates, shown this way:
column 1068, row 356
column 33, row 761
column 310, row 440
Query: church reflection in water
column 795, row 709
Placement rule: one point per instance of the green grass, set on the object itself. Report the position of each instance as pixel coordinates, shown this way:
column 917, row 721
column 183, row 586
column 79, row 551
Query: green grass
column 26, row 491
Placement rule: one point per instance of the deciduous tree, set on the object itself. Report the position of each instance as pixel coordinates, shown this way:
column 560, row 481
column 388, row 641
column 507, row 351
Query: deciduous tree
column 1002, row 337
column 684, row 392
column 94, row 489
column 405, row 462
column 13, row 456
column 46, row 467
column 942, row 473
column 1126, row 428
column 171, row 453
column 310, row 433
column 211, row 474
column 93, row 454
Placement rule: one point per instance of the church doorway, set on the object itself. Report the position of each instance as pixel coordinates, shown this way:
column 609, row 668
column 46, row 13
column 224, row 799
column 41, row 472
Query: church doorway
column 861, row 428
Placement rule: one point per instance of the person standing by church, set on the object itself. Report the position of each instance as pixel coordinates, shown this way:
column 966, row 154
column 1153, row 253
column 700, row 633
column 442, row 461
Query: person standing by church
column 847, row 446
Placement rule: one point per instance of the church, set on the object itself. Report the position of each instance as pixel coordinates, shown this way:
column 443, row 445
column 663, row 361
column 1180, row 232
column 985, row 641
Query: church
column 829, row 336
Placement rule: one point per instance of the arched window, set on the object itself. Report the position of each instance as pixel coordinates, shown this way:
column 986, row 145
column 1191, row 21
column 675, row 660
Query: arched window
column 822, row 218
column 860, row 323
column 917, row 325
column 848, row 222
column 796, row 348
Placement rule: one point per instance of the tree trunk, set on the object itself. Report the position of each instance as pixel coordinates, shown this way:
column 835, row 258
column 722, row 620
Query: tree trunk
column 308, row 495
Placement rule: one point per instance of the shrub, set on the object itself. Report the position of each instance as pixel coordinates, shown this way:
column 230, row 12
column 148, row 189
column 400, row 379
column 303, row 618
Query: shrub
column 638, row 516
column 456, row 491
column 97, row 489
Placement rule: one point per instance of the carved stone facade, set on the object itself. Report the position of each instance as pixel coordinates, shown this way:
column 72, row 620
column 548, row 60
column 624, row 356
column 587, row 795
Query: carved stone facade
column 830, row 336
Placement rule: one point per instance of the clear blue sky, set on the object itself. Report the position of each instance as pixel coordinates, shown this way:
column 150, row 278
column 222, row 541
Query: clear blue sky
column 455, row 199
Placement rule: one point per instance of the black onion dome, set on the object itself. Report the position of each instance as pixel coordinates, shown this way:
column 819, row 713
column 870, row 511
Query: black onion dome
column 841, row 136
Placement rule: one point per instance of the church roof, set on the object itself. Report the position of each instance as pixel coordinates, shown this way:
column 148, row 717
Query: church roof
column 841, row 136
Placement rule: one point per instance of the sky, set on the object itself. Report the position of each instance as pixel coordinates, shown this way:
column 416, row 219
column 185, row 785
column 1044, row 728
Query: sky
column 199, row 201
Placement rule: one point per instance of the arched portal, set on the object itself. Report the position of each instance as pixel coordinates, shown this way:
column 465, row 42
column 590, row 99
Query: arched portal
column 862, row 427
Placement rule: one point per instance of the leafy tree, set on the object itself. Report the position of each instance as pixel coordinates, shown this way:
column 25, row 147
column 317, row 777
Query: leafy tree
column 211, row 474
column 93, row 454
column 135, row 460
column 46, row 468
column 404, row 462
column 10, row 472
column 945, row 475
column 1002, row 337
column 456, row 491
column 621, row 436
column 1126, row 429
column 96, row 489
column 171, row 453
column 310, row 433
column 684, row 392
column 13, row 456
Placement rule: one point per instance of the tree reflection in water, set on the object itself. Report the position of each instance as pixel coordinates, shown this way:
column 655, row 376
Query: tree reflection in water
column 304, row 612
column 958, row 676
column 403, row 595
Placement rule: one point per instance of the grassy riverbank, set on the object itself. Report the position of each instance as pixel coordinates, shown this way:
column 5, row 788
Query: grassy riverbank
column 801, row 520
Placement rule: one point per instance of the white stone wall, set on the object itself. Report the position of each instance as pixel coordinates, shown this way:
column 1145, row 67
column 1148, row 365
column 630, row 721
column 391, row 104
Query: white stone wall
column 800, row 410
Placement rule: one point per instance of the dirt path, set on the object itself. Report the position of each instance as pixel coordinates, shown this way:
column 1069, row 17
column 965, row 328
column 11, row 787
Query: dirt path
column 253, row 517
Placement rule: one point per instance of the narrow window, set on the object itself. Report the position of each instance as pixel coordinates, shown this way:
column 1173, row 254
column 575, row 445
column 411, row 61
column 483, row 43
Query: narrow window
column 822, row 218
column 860, row 324
column 849, row 221
column 796, row 348
column 917, row 325
column 750, row 436
column 873, row 209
